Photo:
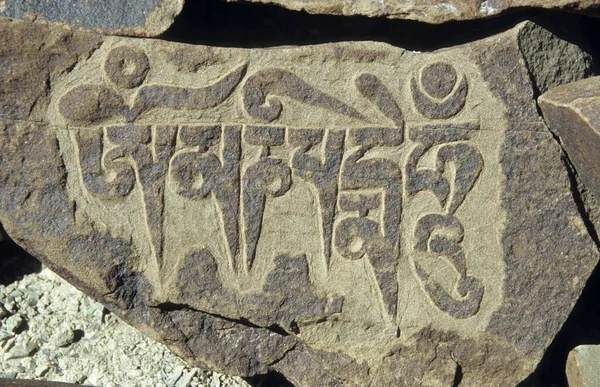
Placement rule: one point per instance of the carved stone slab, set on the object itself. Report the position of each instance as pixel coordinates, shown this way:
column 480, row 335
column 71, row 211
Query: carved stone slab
column 430, row 11
column 120, row 17
column 573, row 114
column 349, row 213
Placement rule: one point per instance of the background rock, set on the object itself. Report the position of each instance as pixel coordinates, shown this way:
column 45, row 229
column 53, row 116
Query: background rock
column 583, row 366
column 431, row 11
column 118, row 17
column 572, row 112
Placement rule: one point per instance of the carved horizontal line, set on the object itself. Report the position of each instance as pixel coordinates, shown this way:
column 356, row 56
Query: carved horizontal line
column 411, row 124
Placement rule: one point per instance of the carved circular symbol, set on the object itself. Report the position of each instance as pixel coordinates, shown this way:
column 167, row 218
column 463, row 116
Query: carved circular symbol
column 438, row 92
column 126, row 67
column 438, row 79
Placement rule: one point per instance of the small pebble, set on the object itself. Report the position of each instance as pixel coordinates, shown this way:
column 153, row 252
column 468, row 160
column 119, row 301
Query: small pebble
column 134, row 373
column 186, row 379
column 9, row 375
column 28, row 363
column 93, row 377
column 32, row 297
column 14, row 323
column 22, row 350
column 10, row 306
column 4, row 336
column 41, row 370
column 3, row 312
column 7, row 344
column 63, row 337
column 174, row 377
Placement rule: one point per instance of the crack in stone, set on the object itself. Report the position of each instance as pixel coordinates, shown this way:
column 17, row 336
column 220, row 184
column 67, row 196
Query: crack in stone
column 186, row 338
column 171, row 307
column 575, row 189
column 458, row 374
column 577, row 196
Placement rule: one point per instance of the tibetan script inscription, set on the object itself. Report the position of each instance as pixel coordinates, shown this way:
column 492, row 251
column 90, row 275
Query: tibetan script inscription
column 356, row 178
column 347, row 214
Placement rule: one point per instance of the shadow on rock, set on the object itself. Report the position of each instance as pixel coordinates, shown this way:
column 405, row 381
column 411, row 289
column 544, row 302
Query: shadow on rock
column 14, row 261
column 272, row 379
column 582, row 327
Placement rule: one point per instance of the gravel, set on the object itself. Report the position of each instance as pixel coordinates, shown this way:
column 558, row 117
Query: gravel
column 51, row 331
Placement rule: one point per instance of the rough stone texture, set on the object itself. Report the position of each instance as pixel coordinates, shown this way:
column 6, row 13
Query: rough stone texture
column 345, row 214
column 33, row 383
column 104, row 351
column 583, row 366
column 572, row 112
column 431, row 11
column 118, row 17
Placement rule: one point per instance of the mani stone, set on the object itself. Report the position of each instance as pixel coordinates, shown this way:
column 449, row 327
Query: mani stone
column 118, row 17
column 345, row 214
column 583, row 366
column 430, row 11
column 572, row 112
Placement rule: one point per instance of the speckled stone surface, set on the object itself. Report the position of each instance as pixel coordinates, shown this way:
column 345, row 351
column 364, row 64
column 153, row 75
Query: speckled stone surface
column 345, row 214
column 117, row 17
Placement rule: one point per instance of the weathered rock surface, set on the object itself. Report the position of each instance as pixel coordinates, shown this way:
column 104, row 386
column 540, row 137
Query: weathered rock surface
column 431, row 11
column 118, row 17
column 583, row 366
column 349, row 213
column 572, row 112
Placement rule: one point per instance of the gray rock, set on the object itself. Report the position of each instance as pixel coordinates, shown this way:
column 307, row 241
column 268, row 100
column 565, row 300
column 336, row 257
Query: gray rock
column 571, row 112
column 9, row 375
column 3, row 312
column 7, row 341
column 41, row 370
column 119, row 17
column 31, row 296
column 174, row 377
column 4, row 337
column 10, row 306
column 14, row 323
column 63, row 337
column 22, row 350
column 430, row 11
column 583, row 366
column 186, row 379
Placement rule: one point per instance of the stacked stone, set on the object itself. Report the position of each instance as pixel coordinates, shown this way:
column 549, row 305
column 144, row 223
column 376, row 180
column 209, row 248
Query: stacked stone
column 347, row 213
